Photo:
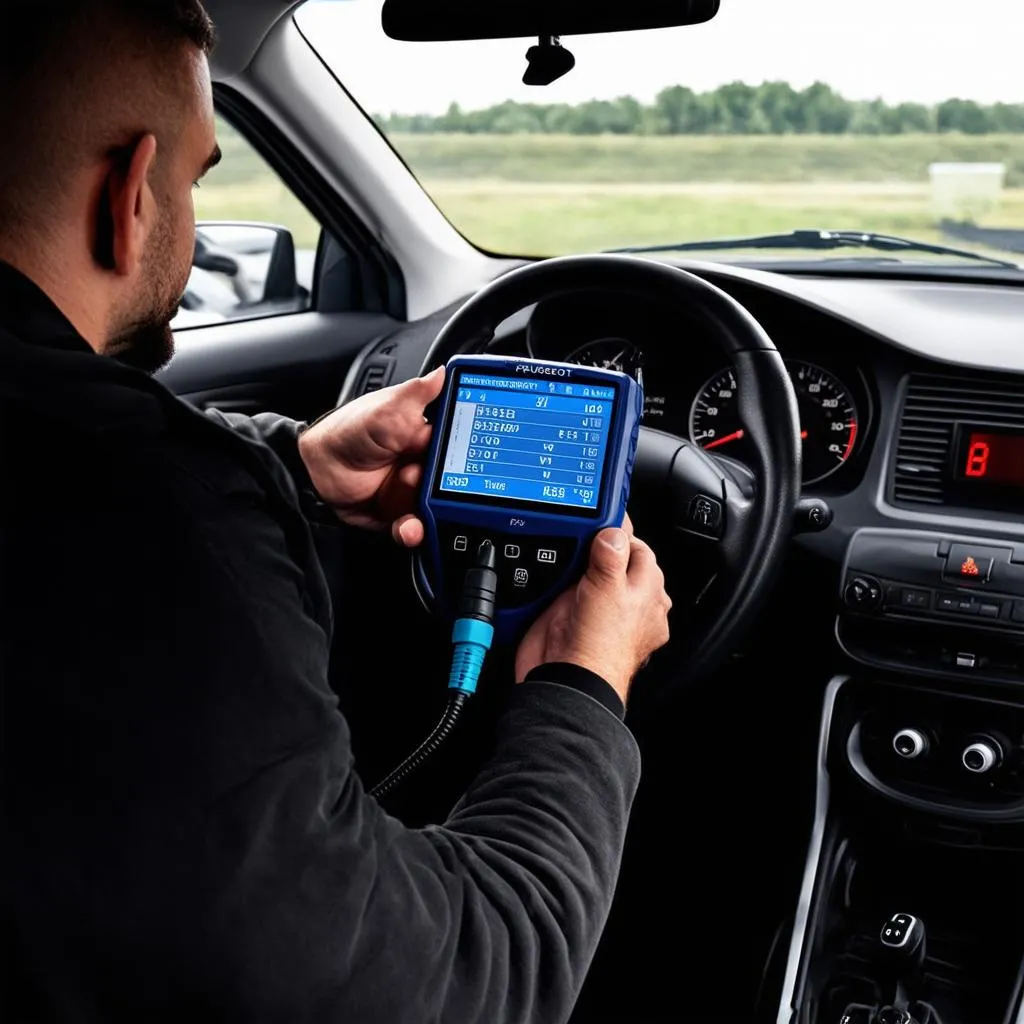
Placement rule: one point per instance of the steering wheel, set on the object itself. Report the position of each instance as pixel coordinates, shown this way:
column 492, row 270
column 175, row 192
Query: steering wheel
column 747, row 522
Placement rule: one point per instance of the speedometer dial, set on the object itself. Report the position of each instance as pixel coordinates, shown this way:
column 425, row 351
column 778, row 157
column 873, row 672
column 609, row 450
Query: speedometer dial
column 828, row 419
column 608, row 354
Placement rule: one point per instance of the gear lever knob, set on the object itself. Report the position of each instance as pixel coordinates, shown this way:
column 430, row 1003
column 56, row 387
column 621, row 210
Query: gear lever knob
column 902, row 936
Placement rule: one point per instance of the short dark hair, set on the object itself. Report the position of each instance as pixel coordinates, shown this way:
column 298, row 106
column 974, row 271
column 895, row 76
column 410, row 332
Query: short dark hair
column 36, row 28
column 48, row 50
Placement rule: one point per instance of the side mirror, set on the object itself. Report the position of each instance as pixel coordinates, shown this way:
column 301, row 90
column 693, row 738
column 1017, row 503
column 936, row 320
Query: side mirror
column 257, row 260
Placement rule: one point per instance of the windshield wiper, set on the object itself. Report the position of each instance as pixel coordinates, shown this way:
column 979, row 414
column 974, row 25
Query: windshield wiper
column 815, row 238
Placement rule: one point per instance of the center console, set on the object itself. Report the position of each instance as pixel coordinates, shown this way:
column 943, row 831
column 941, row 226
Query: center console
column 913, row 892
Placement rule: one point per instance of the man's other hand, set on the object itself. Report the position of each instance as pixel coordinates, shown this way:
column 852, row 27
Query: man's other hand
column 612, row 621
column 365, row 458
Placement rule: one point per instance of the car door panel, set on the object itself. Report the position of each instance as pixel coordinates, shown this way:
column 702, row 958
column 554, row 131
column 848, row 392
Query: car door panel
column 294, row 365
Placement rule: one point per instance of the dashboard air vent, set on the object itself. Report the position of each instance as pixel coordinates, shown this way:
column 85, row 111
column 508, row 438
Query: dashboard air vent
column 931, row 409
column 376, row 376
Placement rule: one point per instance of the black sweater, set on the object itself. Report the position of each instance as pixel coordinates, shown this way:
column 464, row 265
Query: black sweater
column 184, row 836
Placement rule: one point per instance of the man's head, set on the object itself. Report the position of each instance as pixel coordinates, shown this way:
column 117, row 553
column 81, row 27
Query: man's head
column 106, row 125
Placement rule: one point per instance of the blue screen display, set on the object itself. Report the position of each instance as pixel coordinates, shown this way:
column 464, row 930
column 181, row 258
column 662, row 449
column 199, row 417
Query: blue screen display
column 533, row 440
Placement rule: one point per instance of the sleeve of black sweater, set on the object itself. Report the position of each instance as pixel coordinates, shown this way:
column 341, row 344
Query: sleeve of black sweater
column 210, row 834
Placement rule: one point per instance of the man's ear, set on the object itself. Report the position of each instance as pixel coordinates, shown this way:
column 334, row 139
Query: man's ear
column 125, row 209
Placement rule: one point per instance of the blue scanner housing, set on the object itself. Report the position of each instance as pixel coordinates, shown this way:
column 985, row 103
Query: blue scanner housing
column 535, row 456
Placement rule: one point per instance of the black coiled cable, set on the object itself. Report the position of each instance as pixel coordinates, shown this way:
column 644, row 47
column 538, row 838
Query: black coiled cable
column 457, row 700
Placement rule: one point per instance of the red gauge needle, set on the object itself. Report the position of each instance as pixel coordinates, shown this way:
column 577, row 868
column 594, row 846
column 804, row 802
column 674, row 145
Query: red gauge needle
column 724, row 440
column 738, row 436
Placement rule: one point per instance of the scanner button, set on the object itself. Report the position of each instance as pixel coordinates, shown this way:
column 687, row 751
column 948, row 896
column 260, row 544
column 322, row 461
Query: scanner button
column 549, row 555
column 512, row 551
column 461, row 543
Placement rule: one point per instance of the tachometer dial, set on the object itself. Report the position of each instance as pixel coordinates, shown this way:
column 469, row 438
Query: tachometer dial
column 828, row 419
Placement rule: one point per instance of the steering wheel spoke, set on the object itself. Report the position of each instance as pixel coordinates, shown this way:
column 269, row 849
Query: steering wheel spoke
column 706, row 502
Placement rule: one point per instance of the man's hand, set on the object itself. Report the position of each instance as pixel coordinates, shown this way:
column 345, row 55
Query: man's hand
column 364, row 459
column 611, row 621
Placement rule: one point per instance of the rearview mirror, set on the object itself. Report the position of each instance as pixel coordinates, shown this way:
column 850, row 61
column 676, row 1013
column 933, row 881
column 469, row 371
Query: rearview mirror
column 442, row 20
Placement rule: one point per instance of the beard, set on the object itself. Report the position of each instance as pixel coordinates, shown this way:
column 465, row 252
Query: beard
column 145, row 341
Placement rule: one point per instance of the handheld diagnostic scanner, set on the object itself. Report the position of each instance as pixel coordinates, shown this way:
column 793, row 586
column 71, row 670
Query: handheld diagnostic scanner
column 533, row 456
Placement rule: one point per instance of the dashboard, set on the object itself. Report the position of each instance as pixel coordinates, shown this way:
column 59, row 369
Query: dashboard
column 911, row 401
column 691, row 391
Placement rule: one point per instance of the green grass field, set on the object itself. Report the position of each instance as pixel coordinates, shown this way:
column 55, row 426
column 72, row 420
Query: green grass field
column 689, row 158
column 541, row 195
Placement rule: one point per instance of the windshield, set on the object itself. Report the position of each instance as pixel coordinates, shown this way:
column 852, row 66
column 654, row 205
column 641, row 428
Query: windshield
column 902, row 118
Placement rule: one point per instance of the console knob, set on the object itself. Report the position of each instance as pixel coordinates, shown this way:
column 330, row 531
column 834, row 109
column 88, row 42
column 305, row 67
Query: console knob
column 981, row 756
column 910, row 743
column 863, row 594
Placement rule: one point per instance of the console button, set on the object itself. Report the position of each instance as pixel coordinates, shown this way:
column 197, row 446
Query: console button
column 967, row 606
column 947, row 603
column 863, row 594
column 990, row 610
column 910, row 743
column 911, row 597
column 971, row 563
column 1017, row 614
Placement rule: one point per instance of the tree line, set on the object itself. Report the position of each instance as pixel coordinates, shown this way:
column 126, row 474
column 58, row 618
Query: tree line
column 772, row 108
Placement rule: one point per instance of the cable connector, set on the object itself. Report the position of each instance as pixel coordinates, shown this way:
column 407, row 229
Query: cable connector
column 473, row 632
column 472, row 637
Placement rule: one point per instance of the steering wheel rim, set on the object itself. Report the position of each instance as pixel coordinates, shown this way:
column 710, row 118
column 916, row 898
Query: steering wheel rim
column 754, row 530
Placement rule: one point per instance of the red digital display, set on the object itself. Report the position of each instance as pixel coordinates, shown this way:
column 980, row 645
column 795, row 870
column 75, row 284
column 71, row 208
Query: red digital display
column 993, row 458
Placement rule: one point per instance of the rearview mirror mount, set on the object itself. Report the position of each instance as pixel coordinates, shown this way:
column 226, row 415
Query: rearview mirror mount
column 547, row 61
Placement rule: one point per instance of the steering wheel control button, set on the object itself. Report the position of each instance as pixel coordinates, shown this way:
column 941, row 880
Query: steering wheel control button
column 969, row 563
column 981, row 756
column 706, row 516
column 863, row 594
column 910, row 744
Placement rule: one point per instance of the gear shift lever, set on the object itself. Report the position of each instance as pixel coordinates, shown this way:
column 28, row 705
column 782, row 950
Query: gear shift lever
column 903, row 949
column 900, row 963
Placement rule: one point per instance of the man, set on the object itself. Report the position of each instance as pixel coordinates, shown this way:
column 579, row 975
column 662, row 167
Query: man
column 184, row 835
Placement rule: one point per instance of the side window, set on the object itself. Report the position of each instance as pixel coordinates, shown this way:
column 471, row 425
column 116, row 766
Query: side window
column 255, row 242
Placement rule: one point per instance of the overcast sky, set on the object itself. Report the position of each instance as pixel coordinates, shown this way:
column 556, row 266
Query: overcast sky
column 924, row 50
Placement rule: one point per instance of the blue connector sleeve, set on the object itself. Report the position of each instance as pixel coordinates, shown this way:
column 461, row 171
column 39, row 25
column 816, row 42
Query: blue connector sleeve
column 472, row 639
